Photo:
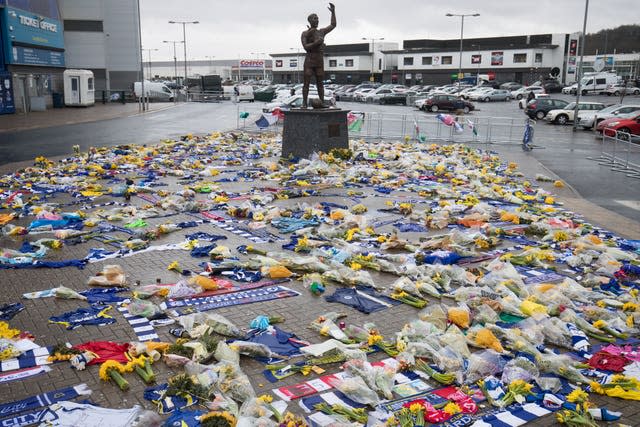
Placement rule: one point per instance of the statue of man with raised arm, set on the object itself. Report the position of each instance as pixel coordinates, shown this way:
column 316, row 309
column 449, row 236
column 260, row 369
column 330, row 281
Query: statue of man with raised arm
column 313, row 43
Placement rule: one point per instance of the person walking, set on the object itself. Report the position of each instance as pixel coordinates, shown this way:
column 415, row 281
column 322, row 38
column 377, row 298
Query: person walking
column 530, row 96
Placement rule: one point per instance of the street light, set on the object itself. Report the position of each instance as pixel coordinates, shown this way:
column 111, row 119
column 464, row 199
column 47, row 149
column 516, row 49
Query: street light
column 175, row 58
column 461, row 15
column 264, row 63
column 149, row 52
column 184, row 40
column 373, row 41
column 579, row 88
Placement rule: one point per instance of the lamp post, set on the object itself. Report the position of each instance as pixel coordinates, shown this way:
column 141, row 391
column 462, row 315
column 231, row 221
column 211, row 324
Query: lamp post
column 175, row 58
column 462, row 16
column 297, row 49
column 373, row 54
column 579, row 88
column 149, row 54
column 264, row 63
column 184, row 40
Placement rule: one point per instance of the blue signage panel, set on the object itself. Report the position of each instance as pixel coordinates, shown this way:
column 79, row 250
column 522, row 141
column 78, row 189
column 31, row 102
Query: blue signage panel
column 7, row 104
column 33, row 56
column 29, row 27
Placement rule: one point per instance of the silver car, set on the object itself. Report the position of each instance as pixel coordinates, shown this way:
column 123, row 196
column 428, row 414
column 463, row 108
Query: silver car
column 495, row 95
column 589, row 119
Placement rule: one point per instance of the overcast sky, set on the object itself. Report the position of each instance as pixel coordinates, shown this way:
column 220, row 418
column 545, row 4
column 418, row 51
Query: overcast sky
column 235, row 29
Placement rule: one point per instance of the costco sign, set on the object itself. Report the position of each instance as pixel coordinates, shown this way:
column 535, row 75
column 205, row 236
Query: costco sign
column 252, row 63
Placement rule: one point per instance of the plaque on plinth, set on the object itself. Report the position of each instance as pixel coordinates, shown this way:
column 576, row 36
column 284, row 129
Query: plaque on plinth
column 307, row 131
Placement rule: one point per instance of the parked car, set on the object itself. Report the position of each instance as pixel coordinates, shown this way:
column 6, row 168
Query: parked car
column 587, row 119
column 511, row 86
column 294, row 101
column 617, row 89
column 538, row 108
column 494, row 95
column 439, row 102
column 552, row 86
column 565, row 115
column 476, row 93
column 524, row 91
column 393, row 98
column 620, row 126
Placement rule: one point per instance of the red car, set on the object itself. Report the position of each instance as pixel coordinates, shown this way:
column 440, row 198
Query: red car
column 620, row 125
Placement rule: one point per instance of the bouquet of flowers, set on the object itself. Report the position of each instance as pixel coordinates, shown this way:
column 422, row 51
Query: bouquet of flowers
column 357, row 390
column 112, row 370
column 483, row 364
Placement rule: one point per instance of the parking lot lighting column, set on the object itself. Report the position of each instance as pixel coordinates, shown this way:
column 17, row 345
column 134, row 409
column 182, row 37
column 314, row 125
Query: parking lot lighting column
column 579, row 88
column 184, row 40
column 461, row 15
column 175, row 58
column 373, row 41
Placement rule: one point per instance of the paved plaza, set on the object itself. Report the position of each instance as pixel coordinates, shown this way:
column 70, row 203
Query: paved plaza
column 239, row 180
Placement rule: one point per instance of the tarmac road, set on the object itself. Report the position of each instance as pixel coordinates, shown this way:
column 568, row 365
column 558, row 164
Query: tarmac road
column 562, row 151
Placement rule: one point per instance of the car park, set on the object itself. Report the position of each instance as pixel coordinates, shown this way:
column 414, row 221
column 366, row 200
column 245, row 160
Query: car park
column 493, row 95
column 621, row 127
column 524, row 91
column 476, row 92
column 618, row 89
column 538, row 108
column 566, row 114
column 447, row 102
column 588, row 119
column 294, row 101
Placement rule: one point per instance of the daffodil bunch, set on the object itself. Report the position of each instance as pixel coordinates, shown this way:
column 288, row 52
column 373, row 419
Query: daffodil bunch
column 249, row 249
column 446, row 378
column 619, row 386
column 291, row 420
column 142, row 366
column 352, row 414
column 266, row 400
column 580, row 416
column 404, row 417
column 417, row 410
column 175, row 266
column 602, row 325
column 112, row 370
column 408, row 299
column 517, row 391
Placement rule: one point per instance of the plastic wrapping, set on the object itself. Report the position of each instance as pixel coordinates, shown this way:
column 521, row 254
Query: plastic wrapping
column 460, row 316
column 483, row 364
column 254, row 349
column 435, row 315
column 66, row 293
column 111, row 275
column 224, row 353
column 143, row 308
column 357, row 390
column 519, row 368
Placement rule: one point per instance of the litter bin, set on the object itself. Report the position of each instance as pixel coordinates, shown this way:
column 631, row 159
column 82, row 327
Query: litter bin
column 58, row 100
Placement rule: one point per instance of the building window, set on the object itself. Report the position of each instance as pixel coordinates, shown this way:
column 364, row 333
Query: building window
column 278, row 63
column 519, row 58
column 447, row 60
column 538, row 57
column 333, row 63
column 293, row 63
column 348, row 62
column 427, row 60
column 408, row 60
column 90, row 83
column 82, row 25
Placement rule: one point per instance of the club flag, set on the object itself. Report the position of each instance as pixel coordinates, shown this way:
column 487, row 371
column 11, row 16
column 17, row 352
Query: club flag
column 266, row 120
column 446, row 119
column 458, row 127
column 354, row 122
column 473, row 128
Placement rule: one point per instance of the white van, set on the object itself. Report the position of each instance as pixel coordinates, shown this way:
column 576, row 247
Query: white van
column 153, row 90
column 597, row 83
column 239, row 93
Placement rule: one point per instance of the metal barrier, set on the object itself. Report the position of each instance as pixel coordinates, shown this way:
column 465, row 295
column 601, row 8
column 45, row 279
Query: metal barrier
column 196, row 95
column 427, row 127
column 417, row 126
column 621, row 152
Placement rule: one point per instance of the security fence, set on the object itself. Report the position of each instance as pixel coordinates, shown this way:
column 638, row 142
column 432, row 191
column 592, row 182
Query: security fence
column 419, row 126
column 621, row 152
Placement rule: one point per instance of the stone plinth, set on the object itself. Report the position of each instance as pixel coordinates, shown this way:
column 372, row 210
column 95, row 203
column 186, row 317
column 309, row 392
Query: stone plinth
column 308, row 130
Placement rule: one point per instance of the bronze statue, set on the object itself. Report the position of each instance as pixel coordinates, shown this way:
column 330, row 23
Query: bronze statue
column 313, row 43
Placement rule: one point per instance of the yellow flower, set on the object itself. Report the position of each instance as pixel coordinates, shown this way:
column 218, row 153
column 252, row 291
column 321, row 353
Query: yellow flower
column 221, row 415
column 600, row 324
column 355, row 266
column 374, row 339
column 266, row 398
column 382, row 239
column 601, row 303
column 577, row 396
column 630, row 306
column 351, row 233
column 596, row 387
column 549, row 200
column 107, row 366
column 451, row 408
column 174, row 266
column 633, row 293
column 558, row 184
column 560, row 236
column 416, row 408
